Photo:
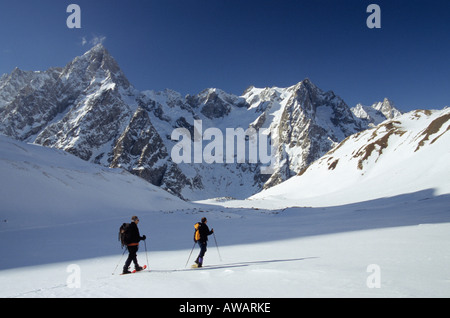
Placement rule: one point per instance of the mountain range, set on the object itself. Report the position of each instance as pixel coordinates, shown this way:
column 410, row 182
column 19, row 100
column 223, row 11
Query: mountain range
column 405, row 155
column 90, row 109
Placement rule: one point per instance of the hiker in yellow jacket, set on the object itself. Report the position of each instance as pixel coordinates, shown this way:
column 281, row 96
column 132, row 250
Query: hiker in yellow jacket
column 201, row 237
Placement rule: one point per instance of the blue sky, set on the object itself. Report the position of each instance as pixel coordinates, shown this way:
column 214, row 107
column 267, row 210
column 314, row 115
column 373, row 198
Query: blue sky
column 190, row 45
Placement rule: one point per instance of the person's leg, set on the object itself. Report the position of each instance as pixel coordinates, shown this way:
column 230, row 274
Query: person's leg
column 203, row 249
column 135, row 261
column 136, row 248
column 129, row 260
column 132, row 257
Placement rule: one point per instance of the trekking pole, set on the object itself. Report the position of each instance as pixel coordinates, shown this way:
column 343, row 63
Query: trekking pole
column 190, row 255
column 119, row 261
column 217, row 246
column 146, row 255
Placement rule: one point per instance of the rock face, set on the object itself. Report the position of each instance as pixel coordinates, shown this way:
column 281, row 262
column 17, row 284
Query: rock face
column 305, row 122
column 90, row 109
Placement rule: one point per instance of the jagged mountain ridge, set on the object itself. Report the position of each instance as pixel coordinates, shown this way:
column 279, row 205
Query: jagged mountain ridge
column 90, row 109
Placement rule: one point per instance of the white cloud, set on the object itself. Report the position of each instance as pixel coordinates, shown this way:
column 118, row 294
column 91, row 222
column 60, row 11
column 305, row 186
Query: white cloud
column 96, row 39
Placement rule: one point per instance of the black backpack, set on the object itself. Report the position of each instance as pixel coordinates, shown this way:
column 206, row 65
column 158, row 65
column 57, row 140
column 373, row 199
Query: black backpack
column 124, row 234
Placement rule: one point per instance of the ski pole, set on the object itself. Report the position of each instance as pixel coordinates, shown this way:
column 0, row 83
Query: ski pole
column 217, row 246
column 190, row 255
column 146, row 255
column 119, row 261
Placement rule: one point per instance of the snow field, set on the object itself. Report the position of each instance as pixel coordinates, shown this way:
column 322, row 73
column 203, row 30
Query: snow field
column 297, row 252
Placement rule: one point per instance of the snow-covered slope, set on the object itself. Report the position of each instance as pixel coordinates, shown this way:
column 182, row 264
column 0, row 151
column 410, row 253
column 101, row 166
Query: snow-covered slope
column 408, row 154
column 42, row 186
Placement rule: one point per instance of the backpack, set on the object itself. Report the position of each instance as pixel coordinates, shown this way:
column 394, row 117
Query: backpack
column 124, row 234
column 197, row 232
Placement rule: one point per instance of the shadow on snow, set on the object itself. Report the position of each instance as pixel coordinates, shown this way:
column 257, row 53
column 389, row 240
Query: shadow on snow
column 231, row 265
column 174, row 231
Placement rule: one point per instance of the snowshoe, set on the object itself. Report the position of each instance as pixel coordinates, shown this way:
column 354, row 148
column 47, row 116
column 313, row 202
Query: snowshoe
column 137, row 269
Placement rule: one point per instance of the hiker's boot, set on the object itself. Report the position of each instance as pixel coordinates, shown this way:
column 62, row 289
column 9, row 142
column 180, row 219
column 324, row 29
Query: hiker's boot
column 138, row 268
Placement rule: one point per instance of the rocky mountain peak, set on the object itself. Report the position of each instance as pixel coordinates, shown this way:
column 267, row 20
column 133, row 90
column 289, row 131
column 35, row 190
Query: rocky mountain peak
column 306, row 84
column 99, row 57
column 377, row 113
column 387, row 108
column 95, row 64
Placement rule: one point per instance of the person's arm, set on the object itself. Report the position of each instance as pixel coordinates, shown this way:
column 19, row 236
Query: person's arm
column 141, row 238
